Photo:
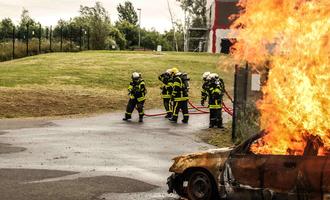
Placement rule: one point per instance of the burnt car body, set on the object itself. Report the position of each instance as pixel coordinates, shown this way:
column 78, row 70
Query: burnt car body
column 237, row 173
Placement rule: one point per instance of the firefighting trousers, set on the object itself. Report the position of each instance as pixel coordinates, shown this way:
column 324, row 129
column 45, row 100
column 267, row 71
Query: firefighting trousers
column 216, row 117
column 183, row 106
column 167, row 105
column 132, row 104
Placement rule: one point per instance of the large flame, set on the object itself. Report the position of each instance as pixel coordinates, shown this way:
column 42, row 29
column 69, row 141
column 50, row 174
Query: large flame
column 293, row 38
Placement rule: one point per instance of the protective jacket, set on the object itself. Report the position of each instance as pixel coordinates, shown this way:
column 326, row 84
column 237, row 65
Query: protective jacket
column 137, row 90
column 167, row 87
column 180, row 90
column 205, row 90
column 215, row 94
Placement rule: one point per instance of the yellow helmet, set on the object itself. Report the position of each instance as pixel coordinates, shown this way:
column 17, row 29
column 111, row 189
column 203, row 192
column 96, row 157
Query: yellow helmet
column 175, row 70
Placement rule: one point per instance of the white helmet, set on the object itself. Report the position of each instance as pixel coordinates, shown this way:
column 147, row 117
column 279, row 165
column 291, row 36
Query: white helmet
column 206, row 74
column 169, row 71
column 178, row 74
column 136, row 75
column 214, row 76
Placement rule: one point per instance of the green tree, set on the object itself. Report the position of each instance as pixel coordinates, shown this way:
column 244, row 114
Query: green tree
column 25, row 21
column 98, row 20
column 130, row 31
column 118, row 37
column 197, row 10
column 6, row 28
column 127, row 13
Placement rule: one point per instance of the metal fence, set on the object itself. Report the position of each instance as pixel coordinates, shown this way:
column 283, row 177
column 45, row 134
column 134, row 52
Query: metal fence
column 246, row 114
column 27, row 41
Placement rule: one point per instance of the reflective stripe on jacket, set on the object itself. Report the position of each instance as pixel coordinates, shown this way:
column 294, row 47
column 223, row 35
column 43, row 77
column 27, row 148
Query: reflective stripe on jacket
column 215, row 97
column 137, row 90
column 179, row 93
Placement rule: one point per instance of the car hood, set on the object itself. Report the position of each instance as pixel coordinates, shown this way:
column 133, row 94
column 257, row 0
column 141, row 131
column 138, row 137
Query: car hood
column 211, row 160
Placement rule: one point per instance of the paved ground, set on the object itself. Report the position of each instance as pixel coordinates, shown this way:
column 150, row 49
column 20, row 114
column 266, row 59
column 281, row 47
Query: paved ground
column 98, row 157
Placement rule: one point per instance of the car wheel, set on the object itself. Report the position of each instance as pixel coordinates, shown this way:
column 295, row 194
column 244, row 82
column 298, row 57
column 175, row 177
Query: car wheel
column 200, row 186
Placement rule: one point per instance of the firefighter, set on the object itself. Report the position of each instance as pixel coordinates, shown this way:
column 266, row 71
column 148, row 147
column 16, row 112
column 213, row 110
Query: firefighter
column 167, row 88
column 180, row 97
column 137, row 91
column 215, row 93
column 205, row 87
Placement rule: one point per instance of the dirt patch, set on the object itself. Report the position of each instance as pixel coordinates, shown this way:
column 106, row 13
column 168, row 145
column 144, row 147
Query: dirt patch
column 217, row 137
column 13, row 185
column 41, row 101
column 7, row 148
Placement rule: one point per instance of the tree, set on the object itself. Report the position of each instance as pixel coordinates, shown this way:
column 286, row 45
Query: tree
column 118, row 37
column 98, row 20
column 127, row 13
column 6, row 28
column 27, row 21
column 197, row 11
column 130, row 31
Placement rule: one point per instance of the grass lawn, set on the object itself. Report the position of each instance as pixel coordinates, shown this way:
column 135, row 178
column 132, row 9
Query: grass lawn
column 95, row 81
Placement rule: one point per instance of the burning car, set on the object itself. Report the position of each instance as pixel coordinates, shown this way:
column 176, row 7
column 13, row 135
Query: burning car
column 239, row 173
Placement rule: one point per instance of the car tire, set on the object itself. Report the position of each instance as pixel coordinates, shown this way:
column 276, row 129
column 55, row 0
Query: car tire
column 200, row 186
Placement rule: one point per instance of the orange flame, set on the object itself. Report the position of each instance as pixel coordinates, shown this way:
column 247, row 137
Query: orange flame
column 293, row 37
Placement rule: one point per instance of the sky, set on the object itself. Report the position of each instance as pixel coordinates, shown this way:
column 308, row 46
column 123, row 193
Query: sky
column 154, row 13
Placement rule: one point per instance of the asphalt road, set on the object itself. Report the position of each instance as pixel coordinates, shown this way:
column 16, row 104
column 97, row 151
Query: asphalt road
column 99, row 157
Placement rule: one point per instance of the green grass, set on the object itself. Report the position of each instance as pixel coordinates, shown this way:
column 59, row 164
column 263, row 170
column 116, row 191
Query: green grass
column 104, row 74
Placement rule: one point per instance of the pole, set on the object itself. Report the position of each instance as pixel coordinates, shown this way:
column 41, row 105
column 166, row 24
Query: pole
column 50, row 39
column 27, row 40
column 13, row 42
column 234, row 120
column 80, row 38
column 61, row 38
column 40, row 38
column 71, row 38
column 139, row 9
column 88, row 35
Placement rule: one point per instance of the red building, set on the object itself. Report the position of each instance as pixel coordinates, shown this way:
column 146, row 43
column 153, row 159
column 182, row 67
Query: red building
column 219, row 24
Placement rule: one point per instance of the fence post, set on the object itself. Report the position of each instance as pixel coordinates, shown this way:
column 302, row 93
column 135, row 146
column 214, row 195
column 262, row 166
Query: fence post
column 40, row 38
column 233, row 135
column 80, row 38
column 27, row 39
column 61, row 38
column 50, row 39
column 88, row 35
column 71, row 38
column 13, row 42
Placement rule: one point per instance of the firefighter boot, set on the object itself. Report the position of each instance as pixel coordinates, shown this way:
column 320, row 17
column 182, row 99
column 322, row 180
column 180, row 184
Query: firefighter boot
column 220, row 124
column 168, row 115
column 141, row 118
column 174, row 119
column 127, row 117
column 185, row 119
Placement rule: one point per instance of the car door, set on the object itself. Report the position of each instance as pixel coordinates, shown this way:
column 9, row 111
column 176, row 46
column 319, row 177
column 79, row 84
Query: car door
column 326, row 180
column 314, row 169
column 281, row 172
column 244, row 176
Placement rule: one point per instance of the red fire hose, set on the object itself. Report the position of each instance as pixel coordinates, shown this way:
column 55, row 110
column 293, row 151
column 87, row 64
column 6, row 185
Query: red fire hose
column 199, row 110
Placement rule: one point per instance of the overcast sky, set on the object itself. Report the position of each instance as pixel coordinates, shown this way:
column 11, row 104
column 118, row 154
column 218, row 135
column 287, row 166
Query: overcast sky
column 48, row 12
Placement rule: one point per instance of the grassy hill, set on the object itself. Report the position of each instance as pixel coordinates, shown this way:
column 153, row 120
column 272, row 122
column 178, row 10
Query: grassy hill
column 94, row 81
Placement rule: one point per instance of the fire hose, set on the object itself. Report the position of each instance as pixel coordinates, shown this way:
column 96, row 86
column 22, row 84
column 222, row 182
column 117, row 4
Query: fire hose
column 199, row 110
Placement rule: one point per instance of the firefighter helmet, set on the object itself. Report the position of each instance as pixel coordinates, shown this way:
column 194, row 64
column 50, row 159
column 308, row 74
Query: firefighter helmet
column 205, row 75
column 175, row 70
column 136, row 76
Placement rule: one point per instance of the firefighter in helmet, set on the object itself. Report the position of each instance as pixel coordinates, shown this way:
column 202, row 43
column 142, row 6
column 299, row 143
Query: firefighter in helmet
column 205, row 87
column 137, row 91
column 215, row 94
column 166, row 88
column 180, row 96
